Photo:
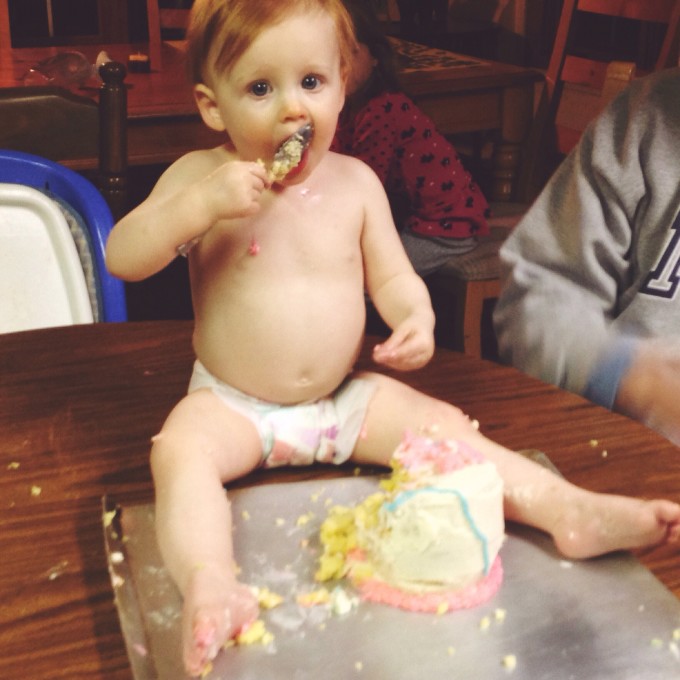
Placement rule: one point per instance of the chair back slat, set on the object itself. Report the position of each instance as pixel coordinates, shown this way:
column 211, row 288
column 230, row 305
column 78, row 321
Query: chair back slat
column 578, row 86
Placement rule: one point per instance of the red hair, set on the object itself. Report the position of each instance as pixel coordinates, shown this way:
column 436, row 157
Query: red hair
column 220, row 31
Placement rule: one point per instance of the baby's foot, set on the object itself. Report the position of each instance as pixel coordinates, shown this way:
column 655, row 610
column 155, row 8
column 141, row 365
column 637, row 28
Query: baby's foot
column 596, row 524
column 216, row 607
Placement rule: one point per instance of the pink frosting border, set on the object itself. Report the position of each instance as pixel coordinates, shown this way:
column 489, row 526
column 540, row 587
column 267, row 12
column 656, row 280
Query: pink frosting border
column 375, row 590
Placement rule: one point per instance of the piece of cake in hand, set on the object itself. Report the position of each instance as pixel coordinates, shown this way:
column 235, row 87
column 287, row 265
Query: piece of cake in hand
column 429, row 541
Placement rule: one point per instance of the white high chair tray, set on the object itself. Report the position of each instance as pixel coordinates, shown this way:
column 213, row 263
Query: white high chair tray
column 602, row 619
column 41, row 276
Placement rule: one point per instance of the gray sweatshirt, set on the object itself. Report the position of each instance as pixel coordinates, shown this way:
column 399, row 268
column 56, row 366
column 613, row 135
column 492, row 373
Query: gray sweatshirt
column 595, row 263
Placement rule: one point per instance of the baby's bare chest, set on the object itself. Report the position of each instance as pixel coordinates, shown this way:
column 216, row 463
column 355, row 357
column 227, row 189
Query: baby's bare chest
column 313, row 229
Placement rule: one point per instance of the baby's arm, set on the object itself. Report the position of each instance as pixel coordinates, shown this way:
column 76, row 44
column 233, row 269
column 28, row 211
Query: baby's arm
column 189, row 198
column 399, row 294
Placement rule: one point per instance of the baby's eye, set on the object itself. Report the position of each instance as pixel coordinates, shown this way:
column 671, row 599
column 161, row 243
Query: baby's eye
column 310, row 82
column 260, row 88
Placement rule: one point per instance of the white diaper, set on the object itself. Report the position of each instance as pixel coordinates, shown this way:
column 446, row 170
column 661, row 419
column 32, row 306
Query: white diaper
column 325, row 430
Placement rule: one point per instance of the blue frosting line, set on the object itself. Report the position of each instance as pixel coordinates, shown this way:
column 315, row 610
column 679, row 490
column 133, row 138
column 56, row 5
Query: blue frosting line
column 409, row 493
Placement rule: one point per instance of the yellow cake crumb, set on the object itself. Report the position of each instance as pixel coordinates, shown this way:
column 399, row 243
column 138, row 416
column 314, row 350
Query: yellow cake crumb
column 339, row 536
column 246, row 515
column 499, row 615
column 36, row 491
column 330, row 567
column 207, row 670
column 509, row 662
column 315, row 496
column 442, row 608
column 359, row 666
column 13, row 465
column 676, row 634
column 362, row 571
column 304, row 519
column 267, row 599
column 450, row 650
column 314, row 597
column 594, row 442
column 255, row 632
column 484, row 623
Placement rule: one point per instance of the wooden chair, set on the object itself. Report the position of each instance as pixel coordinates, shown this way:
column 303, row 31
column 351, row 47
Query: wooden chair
column 112, row 26
column 160, row 20
column 58, row 125
column 578, row 87
column 5, row 33
column 575, row 91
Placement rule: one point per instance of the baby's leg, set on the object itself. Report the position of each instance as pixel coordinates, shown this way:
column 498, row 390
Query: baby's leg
column 202, row 445
column 582, row 523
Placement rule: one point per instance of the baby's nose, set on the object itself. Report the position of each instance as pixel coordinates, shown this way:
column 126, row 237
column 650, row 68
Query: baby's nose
column 292, row 107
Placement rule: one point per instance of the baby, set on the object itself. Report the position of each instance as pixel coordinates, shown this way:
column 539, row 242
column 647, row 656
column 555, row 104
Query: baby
column 278, row 274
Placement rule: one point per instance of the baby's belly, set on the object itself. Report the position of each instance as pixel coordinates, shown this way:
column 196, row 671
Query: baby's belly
column 285, row 354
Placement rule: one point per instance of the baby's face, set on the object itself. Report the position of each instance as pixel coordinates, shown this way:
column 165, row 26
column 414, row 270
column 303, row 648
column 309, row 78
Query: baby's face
column 288, row 77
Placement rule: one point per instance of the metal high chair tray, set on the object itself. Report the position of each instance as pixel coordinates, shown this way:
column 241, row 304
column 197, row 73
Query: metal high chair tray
column 602, row 619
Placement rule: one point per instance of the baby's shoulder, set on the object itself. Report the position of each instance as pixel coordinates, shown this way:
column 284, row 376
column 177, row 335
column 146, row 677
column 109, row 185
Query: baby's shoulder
column 191, row 167
column 201, row 161
column 350, row 168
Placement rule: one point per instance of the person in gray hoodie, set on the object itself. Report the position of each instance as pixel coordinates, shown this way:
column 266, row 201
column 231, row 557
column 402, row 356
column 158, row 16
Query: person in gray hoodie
column 591, row 294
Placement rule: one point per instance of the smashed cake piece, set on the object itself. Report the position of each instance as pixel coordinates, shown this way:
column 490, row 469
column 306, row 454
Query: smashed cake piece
column 289, row 154
column 429, row 540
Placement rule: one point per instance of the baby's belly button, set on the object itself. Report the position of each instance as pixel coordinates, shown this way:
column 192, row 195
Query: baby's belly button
column 303, row 381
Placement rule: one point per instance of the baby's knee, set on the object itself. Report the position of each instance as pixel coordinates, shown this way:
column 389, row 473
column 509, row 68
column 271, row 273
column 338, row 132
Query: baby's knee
column 447, row 420
column 181, row 439
column 167, row 450
column 443, row 412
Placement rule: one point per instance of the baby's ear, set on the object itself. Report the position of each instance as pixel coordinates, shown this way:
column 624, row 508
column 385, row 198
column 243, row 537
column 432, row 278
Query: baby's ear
column 207, row 107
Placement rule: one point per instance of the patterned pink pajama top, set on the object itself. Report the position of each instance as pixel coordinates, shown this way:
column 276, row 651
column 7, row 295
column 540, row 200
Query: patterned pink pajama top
column 430, row 191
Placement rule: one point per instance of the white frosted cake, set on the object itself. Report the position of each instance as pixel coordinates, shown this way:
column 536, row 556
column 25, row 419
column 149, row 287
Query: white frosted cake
column 430, row 540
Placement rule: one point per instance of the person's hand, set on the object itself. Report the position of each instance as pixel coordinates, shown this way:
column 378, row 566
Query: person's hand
column 650, row 389
column 235, row 189
column 410, row 346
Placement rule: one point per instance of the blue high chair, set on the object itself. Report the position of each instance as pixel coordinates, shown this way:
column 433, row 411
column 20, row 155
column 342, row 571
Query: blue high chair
column 54, row 225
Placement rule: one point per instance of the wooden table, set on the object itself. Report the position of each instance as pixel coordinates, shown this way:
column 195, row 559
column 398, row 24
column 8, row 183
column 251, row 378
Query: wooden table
column 78, row 406
column 461, row 94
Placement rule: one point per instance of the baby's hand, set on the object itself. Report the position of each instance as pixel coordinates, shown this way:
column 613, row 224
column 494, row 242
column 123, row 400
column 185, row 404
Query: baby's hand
column 410, row 346
column 235, row 189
